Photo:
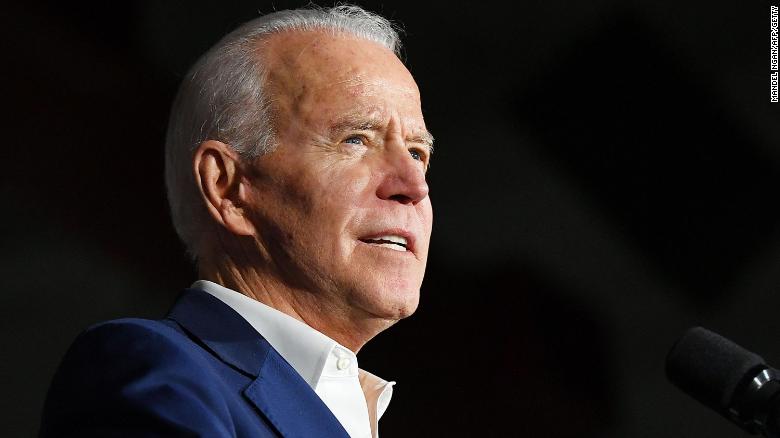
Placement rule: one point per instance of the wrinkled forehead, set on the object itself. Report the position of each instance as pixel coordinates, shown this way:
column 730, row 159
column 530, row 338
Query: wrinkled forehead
column 312, row 65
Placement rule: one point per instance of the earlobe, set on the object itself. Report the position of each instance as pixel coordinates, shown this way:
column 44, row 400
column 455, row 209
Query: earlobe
column 218, row 174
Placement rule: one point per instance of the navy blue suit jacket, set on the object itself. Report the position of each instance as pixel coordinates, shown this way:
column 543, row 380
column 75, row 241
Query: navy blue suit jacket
column 202, row 371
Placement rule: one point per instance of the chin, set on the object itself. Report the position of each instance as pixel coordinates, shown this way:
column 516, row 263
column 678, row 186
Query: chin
column 405, row 309
column 394, row 301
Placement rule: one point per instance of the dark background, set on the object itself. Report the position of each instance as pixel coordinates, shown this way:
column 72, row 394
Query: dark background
column 606, row 175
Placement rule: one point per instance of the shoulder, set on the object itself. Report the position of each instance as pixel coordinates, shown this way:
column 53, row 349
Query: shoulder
column 109, row 349
column 126, row 338
column 137, row 374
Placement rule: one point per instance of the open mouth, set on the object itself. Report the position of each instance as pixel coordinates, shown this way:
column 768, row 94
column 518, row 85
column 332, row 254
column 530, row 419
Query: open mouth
column 396, row 243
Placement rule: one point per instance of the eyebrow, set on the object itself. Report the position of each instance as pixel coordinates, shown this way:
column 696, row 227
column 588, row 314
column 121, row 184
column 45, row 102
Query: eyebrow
column 425, row 138
column 362, row 122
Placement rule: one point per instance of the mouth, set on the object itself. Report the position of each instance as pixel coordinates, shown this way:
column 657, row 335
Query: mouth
column 390, row 241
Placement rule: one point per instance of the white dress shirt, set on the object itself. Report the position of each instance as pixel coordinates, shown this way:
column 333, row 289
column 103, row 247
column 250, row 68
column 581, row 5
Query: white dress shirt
column 357, row 398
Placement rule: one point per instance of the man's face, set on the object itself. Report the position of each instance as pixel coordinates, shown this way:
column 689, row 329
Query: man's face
column 341, row 207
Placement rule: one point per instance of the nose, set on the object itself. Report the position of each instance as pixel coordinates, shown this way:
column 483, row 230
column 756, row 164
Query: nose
column 404, row 179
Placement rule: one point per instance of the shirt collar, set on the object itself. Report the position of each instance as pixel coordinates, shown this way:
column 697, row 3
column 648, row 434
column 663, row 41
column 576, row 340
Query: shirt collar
column 304, row 348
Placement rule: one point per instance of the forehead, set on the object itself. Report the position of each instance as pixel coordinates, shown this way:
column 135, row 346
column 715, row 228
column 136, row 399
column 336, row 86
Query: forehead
column 326, row 72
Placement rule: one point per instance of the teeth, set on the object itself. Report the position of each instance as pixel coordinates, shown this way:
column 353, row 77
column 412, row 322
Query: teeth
column 394, row 239
column 397, row 243
column 393, row 246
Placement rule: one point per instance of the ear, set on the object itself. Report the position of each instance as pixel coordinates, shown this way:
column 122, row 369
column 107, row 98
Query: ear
column 218, row 173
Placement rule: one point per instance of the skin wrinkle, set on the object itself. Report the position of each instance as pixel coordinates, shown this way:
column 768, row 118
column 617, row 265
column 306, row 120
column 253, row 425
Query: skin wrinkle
column 289, row 237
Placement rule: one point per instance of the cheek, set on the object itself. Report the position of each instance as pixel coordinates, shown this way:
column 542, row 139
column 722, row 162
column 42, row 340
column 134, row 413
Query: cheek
column 346, row 191
column 425, row 211
column 332, row 212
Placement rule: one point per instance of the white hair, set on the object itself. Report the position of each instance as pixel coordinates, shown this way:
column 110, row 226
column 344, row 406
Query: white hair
column 223, row 97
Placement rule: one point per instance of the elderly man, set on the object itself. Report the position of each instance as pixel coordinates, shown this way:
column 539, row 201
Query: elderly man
column 296, row 161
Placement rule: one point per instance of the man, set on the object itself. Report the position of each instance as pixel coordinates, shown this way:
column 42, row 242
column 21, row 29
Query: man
column 295, row 165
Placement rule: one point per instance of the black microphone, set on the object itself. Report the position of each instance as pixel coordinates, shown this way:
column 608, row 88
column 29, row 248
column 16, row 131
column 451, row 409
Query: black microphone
column 728, row 378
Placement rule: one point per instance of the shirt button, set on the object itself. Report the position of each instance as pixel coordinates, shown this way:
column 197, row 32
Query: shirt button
column 342, row 363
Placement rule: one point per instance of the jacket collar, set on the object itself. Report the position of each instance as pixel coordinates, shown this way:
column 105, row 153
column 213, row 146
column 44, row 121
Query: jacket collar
column 222, row 330
column 278, row 391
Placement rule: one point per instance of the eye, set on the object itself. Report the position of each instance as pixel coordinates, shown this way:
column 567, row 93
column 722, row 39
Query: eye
column 416, row 154
column 355, row 139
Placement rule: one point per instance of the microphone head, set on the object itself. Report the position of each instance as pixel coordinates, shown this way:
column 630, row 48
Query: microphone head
column 711, row 368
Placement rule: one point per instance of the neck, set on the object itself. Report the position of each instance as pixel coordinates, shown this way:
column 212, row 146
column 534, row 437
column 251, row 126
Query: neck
column 349, row 327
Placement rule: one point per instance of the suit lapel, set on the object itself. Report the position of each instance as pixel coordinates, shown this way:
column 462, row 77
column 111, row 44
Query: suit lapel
column 289, row 402
column 282, row 396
